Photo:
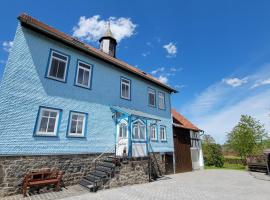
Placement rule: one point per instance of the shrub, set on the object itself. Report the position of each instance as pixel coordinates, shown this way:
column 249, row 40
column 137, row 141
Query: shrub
column 213, row 155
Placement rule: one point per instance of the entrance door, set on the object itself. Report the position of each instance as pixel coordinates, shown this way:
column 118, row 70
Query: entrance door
column 182, row 150
column 122, row 139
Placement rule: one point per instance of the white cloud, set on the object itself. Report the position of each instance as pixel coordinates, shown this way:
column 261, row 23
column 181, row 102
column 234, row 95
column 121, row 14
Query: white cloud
column 145, row 54
column 93, row 28
column 218, row 108
column 160, row 69
column 171, row 49
column 261, row 83
column 163, row 79
column 7, row 45
column 173, row 69
column 222, row 122
column 235, row 82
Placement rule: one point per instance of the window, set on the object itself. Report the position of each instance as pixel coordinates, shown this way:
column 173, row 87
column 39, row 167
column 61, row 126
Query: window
column 163, row 133
column 123, row 130
column 77, row 124
column 195, row 139
column 153, row 132
column 161, row 100
column 47, row 123
column 57, row 66
column 139, row 131
column 84, row 72
column 151, row 97
column 125, row 88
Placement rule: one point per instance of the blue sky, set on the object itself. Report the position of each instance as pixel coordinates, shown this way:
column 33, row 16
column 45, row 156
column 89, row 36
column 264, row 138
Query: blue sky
column 216, row 53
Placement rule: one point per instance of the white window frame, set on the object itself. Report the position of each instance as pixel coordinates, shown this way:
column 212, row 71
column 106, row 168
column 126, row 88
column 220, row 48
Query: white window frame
column 85, row 69
column 54, row 133
column 163, row 137
column 151, row 91
column 50, row 65
column 153, row 127
column 138, row 124
column 161, row 97
column 123, row 123
column 83, row 126
column 129, row 87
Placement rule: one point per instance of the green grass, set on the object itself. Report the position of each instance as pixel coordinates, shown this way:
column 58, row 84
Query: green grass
column 228, row 166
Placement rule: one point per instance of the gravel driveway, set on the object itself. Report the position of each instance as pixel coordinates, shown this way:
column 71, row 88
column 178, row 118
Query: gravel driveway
column 199, row 185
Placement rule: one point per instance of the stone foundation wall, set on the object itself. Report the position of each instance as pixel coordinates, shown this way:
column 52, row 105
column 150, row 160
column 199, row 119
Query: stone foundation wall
column 75, row 167
column 131, row 172
column 14, row 168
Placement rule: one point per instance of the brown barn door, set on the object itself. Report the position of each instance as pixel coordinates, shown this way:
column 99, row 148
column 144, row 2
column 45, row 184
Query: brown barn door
column 182, row 150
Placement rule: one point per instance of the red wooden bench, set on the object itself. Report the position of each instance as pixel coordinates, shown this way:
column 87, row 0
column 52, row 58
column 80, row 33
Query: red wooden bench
column 42, row 178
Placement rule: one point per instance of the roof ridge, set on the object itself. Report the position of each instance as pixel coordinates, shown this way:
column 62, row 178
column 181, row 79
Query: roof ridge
column 49, row 30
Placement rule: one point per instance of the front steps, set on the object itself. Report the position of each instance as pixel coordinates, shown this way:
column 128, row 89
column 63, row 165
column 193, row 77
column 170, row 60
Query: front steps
column 104, row 170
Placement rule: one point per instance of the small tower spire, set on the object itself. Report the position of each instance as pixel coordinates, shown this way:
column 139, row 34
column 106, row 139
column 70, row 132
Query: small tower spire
column 108, row 42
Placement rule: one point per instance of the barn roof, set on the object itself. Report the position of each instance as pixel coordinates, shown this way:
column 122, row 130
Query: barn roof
column 180, row 121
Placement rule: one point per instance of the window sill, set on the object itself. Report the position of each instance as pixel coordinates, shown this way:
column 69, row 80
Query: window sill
column 45, row 135
column 129, row 99
column 75, row 136
column 82, row 86
column 56, row 79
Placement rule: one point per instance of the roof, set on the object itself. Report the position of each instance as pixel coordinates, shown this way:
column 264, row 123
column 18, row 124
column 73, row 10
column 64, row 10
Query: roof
column 182, row 122
column 34, row 24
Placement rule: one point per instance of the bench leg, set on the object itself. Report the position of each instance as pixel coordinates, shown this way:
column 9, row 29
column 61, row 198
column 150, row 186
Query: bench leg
column 57, row 187
column 24, row 191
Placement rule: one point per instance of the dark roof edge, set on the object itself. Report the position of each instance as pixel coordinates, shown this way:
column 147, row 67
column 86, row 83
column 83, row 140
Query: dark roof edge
column 38, row 26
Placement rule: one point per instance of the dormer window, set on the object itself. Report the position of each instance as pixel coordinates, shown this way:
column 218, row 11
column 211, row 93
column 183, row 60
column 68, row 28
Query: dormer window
column 58, row 66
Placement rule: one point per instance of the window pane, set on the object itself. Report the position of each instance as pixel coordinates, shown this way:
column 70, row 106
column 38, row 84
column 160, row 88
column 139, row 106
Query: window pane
column 74, row 117
column 61, row 69
column 151, row 97
column 59, row 56
column 54, row 68
column 79, row 127
column 73, row 126
column 51, row 125
column 142, row 131
column 45, row 113
column 86, row 78
column 84, row 65
column 80, row 76
column 80, row 117
column 43, row 124
column 123, row 90
column 53, row 114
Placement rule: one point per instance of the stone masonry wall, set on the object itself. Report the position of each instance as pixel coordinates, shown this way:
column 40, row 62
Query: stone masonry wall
column 75, row 167
column 14, row 168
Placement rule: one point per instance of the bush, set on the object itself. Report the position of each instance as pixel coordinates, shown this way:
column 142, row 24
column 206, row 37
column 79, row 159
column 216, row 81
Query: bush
column 213, row 155
column 234, row 160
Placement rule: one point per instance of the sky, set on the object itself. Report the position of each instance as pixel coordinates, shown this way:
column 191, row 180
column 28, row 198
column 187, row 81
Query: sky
column 215, row 53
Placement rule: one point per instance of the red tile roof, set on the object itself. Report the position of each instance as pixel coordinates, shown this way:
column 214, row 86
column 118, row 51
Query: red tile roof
column 49, row 31
column 182, row 122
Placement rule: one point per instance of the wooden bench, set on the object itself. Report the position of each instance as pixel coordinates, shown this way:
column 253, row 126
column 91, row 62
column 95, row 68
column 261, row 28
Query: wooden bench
column 257, row 167
column 42, row 178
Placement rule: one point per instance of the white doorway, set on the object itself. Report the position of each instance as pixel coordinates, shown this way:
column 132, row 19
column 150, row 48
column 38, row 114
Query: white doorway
column 122, row 138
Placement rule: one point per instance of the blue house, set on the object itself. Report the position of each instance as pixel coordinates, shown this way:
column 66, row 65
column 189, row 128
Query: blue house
column 60, row 96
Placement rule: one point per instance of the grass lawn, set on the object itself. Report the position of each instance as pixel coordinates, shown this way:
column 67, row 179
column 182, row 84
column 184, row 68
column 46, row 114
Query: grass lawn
column 228, row 166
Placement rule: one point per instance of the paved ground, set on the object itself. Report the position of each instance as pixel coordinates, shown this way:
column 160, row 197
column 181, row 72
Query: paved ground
column 199, row 185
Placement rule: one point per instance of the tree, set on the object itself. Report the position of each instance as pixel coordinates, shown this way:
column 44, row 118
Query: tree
column 208, row 139
column 247, row 136
column 212, row 152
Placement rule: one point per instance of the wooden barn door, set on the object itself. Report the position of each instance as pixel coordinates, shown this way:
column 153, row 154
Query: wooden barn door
column 182, row 150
